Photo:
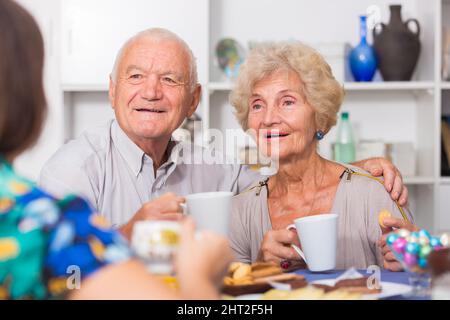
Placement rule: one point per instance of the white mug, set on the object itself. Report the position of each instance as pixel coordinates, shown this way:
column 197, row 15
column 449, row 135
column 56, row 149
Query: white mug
column 318, row 236
column 156, row 243
column 210, row 210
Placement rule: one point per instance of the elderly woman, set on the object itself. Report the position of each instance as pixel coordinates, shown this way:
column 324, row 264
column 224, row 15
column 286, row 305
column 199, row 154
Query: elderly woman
column 287, row 96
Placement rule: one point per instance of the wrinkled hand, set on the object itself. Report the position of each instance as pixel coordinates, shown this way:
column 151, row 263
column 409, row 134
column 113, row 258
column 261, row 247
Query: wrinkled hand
column 166, row 207
column 276, row 246
column 206, row 255
column 389, row 260
column 391, row 223
column 393, row 181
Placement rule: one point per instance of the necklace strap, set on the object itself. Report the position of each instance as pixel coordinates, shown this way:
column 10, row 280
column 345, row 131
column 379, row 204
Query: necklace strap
column 349, row 176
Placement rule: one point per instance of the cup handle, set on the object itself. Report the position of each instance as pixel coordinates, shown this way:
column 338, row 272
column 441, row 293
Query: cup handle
column 299, row 251
column 296, row 248
column 184, row 207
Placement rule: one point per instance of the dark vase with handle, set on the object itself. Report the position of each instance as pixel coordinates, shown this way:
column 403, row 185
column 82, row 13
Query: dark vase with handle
column 397, row 46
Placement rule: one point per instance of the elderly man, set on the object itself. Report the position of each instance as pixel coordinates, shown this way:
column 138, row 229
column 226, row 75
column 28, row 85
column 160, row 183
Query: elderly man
column 132, row 160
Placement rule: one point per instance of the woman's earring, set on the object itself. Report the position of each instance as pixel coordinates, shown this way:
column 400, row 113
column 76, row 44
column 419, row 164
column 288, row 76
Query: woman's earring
column 320, row 135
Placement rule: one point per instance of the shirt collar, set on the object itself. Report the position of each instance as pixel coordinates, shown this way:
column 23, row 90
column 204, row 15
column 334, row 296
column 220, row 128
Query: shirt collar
column 174, row 150
column 172, row 161
column 128, row 149
column 134, row 155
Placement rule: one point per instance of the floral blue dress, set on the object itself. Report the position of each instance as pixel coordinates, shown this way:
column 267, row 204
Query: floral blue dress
column 47, row 245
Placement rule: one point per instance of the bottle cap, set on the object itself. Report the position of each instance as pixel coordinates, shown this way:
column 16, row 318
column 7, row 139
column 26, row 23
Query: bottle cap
column 344, row 115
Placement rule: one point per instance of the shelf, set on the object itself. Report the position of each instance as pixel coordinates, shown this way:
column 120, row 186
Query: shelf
column 349, row 86
column 445, row 180
column 391, row 85
column 445, row 85
column 354, row 86
column 84, row 88
column 418, row 180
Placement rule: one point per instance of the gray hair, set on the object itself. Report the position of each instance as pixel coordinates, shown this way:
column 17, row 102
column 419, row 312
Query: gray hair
column 319, row 86
column 159, row 34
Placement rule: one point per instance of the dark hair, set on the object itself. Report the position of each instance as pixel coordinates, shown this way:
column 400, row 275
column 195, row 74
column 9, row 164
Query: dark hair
column 22, row 100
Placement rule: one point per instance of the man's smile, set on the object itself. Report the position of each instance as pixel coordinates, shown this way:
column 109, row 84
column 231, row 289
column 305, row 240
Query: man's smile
column 150, row 110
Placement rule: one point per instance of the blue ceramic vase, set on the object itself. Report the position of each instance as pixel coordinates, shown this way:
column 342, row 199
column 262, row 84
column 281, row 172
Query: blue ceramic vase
column 363, row 59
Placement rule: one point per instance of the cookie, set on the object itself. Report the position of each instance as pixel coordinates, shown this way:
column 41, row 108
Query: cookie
column 265, row 272
column 242, row 271
column 262, row 265
column 383, row 215
column 234, row 266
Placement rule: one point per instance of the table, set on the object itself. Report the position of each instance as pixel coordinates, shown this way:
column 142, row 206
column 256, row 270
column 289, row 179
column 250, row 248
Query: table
column 388, row 276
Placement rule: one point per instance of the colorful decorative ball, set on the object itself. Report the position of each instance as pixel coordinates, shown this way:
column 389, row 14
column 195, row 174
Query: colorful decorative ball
column 424, row 233
column 423, row 241
column 403, row 233
column 412, row 239
column 391, row 238
column 445, row 240
column 399, row 245
column 410, row 259
column 423, row 263
column 425, row 251
column 434, row 242
column 413, row 248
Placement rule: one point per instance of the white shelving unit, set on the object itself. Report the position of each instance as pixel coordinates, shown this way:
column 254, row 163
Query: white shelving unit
column 388, row 111
column 357, row 86
column 84, row 88
column 89, row 36
column 419, row 180
column 220, row 86
column 388, row 86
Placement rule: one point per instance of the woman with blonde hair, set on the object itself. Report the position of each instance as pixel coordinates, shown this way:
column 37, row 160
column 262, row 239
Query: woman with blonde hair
column 287, row 96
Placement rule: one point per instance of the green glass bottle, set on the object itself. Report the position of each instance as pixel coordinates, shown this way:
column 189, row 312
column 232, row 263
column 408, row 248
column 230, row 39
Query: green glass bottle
column 344, row 148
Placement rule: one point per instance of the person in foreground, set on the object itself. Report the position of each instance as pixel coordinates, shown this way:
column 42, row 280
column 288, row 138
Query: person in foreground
column 286, row 94
column 46, row 244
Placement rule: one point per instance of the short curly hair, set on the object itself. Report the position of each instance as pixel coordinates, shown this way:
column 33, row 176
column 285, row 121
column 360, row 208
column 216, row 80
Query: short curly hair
column 320, row 89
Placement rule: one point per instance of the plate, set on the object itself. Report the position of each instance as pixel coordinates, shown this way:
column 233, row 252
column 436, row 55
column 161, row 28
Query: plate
column 388, row 289
column 240, row 290
column 261, row 287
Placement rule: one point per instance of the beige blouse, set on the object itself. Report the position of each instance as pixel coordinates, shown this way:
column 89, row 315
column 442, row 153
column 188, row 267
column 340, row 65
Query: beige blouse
column 357, row 202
